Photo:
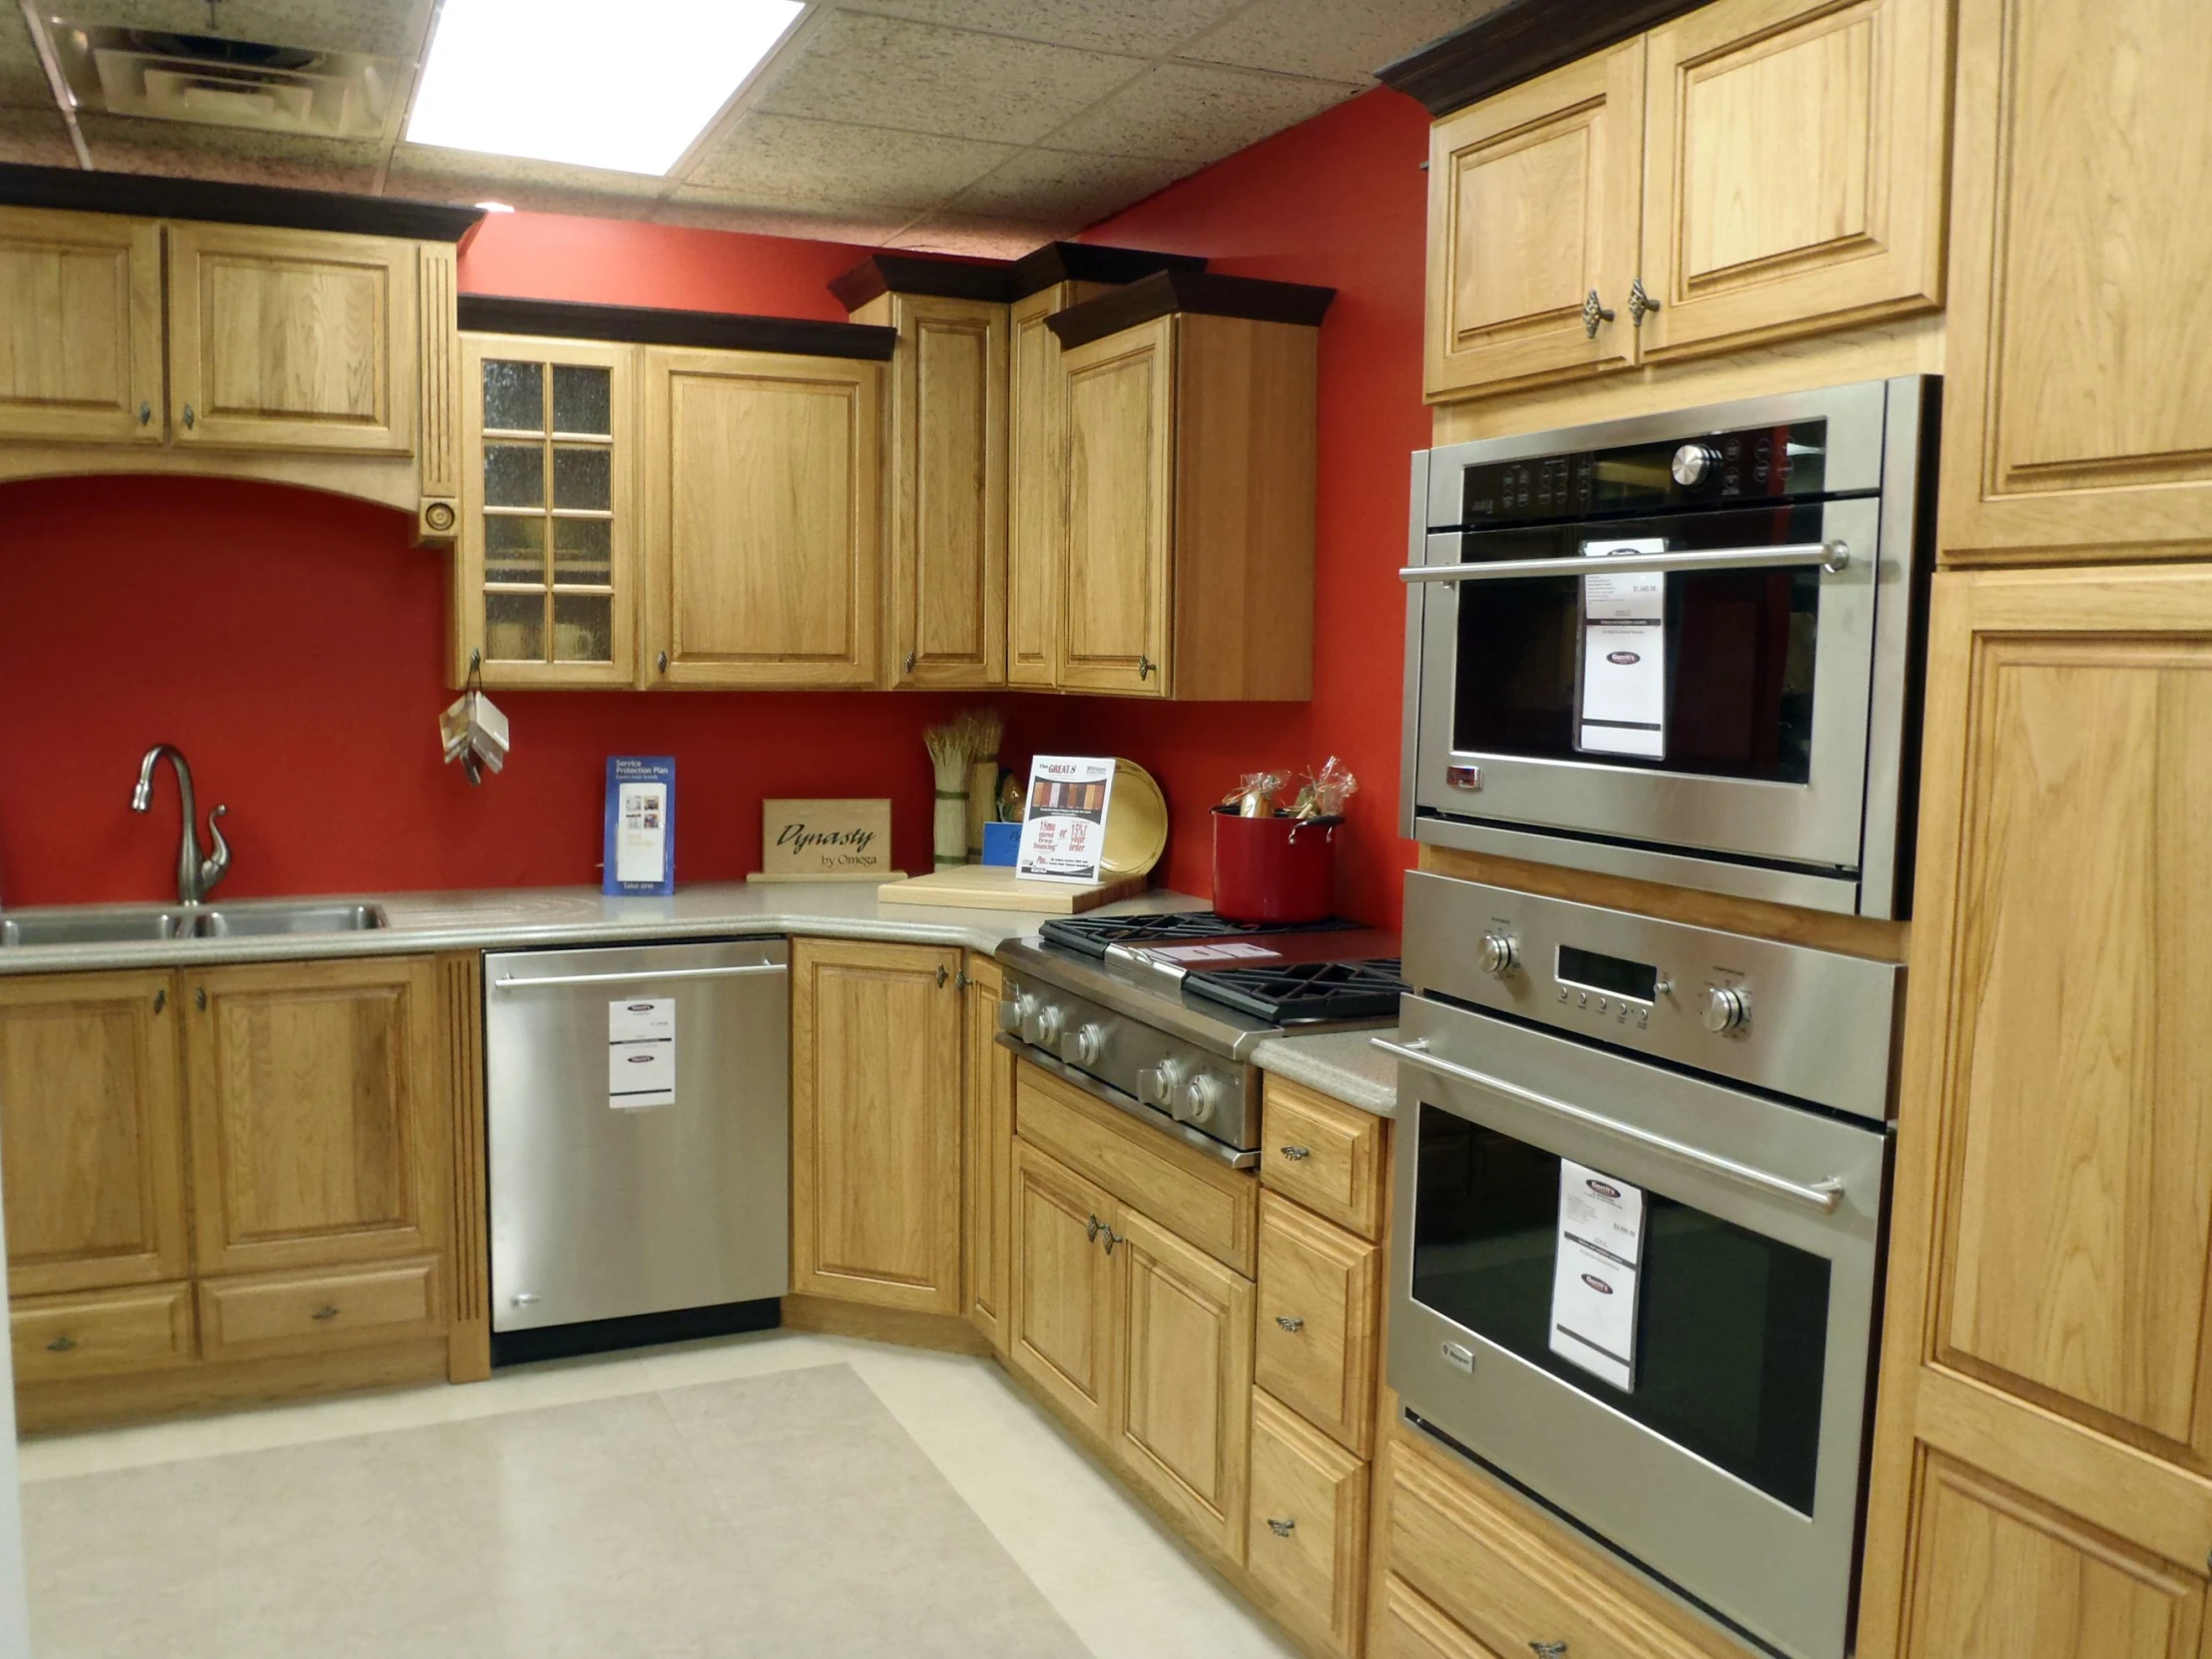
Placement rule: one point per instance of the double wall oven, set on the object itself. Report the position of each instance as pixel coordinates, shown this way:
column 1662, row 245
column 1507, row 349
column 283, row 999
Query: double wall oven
column 1680, row 647
column 1641, row 1186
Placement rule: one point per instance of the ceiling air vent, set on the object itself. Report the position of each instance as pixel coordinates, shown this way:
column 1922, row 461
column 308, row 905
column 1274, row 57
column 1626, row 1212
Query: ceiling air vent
column 221, row 82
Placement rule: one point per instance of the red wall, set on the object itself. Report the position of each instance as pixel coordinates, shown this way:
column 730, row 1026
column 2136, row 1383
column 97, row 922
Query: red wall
column 290, row 643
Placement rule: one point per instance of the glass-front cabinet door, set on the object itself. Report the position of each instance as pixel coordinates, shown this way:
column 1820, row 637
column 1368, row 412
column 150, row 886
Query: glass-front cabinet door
column 545, row 588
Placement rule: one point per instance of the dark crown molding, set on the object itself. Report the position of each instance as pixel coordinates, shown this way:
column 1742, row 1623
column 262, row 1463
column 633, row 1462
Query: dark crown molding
column 1520, row 41
column 1084, row 262
column 1199, row 291
column 882, row 274
column 149, row 195
column 491, row 314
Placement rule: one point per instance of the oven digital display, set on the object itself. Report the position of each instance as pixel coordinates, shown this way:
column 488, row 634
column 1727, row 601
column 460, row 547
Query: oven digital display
column 1612, row 974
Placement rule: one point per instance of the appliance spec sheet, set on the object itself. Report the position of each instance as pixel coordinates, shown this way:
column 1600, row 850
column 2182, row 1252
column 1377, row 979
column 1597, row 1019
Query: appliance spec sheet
column 1594, row 1279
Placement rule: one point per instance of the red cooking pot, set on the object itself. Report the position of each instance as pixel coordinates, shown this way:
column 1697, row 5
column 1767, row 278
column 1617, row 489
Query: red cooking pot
column 1274, row 868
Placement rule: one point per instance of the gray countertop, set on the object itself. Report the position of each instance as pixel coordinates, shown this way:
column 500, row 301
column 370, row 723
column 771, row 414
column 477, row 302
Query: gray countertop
column 1341, row 1064
column 499, row 918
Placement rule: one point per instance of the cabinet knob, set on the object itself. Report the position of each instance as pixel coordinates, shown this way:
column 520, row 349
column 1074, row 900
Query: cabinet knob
column 1548, row 1650
column 1282, row 1529
column 61, row 1344
column 1113, row 1239
column 1145, row 668
column 943, row 973
column 1640, row 302
column 200, row 999
column 1594, row 312
column 662, row 663
column 146, row 413
column 1291, row 1323
column 325, row 1312
column 907, row 667
column 1297, row 1154
column 191, row 419
column 161, row 1000
column 1092, row 1231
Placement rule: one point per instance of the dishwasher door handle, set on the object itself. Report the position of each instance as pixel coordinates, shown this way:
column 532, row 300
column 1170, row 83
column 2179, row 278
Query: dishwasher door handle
column 503, row 983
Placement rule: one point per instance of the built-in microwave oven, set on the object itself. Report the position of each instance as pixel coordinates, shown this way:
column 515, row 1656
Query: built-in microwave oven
column 1682, row 647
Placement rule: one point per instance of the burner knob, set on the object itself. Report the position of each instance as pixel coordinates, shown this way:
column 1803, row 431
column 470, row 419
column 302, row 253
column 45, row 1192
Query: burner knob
column 1725, row 1009
column 1156, row 1087
column 1042, row 1026
column 1500, row 955
column 1694, row 463
column 1087, row 1045
column 1202, row 1097
column 1013, row 1010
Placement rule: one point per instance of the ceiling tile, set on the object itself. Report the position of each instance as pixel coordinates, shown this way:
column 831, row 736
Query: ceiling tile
column 469, row 167
column 1148, row 28
column 35, row 138
column 982, row 236
column 1330, row 40
column 388, row 28
column 183, row 150
column 22, row 79
column 783, row 162
column 1198, row 114
column 708, row 210
column 1059, row 185
column 926, row 80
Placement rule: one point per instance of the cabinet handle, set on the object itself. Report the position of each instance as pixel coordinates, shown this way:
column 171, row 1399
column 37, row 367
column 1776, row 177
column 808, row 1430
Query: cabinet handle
column 161, row 1000
column 1145, row 667
column 1550, row 1650
column 325, row 1312
column 1291, row 1323
column 1297, row 1154
column 1094, row 1228
column 663, row 661
column 1640, row 304
column 61, row 1344
column 943, row 973
column 1593, row 313
column 961, row 980
column 199, row 998
column 907, row 667
column 1113, row 1239
column 191, row 419
column 146, row 413
column 1282, row 1529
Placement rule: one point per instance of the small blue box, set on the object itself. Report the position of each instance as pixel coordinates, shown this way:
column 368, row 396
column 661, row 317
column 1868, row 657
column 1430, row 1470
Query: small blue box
column 1001, row 843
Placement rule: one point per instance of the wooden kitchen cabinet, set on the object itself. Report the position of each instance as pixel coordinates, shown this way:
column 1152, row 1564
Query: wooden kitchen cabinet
column 2044, row 1440
column 1187, row 566
column 1036, row 483
column 91, row 1144
column 1533, row 208
column 291, row 339
column 876, row 1037
column 1061, row 1321
column 1752, row 171
column 1307, row 1541
column 989, row 1105
column 762, row 520
column 546, row 568
column 2075, row 421
column 319, row 1134
column 80, row 327
column 1318, row 1342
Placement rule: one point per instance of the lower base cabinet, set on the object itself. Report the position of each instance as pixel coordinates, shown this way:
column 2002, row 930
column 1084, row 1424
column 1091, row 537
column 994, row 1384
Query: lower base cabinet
column 57, row 1338
column 1305, row 1544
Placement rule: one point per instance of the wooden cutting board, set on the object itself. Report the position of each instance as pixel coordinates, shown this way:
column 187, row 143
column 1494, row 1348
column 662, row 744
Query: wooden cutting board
column 997, row 888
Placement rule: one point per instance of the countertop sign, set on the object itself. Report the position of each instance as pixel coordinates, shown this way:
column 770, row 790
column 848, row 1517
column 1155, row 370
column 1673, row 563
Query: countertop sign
column 640, row 853
column 825, row 841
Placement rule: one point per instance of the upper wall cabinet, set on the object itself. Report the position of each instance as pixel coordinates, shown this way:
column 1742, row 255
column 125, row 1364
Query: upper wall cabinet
column 2079, row 341
column 1754, row 171
column 80, row 327
column 1186, row 566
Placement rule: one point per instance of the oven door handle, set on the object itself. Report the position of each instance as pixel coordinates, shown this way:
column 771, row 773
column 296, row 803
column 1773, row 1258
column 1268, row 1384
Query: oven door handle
column 1823, row 1195
column 1829, row 555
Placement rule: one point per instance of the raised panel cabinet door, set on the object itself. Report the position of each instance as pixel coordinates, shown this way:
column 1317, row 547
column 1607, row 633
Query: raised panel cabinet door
column 319, row 1128
column 1794, row 168
column 291, row 339
column 1117, row 574
column 1060, row 1325
column 947, row 467
column 1181, row 1410
column 545, row 573
column 2079, row 342
column 1036, row 486
column 1319, row 1336
column 92, row 1145
column 877, row 1035
column 1535, row 207
column 1307, row 1541
column 990, row 1151
column 2002, row 1576
column 764, row 494
column 80, row 327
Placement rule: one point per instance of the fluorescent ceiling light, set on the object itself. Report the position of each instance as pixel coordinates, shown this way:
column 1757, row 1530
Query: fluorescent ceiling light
column 590, row 83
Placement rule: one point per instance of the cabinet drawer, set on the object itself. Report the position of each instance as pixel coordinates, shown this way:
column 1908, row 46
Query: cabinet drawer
column 60, row 1337
column 1320, row 1291
column 1411, row 1627
column 1306, row 1541
column 1195, row 1197
column 302, row 1313
column 1327, row 1156
column 1509, row 1576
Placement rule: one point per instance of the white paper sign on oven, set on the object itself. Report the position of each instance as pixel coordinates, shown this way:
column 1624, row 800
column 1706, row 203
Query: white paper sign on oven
column 1596, row 1273
column 1625, row 656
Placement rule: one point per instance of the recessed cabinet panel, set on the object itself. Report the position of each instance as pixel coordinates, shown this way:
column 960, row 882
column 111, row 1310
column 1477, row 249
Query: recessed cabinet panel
column 1115, row 598
column 1793, row 168
column 80, row 327
column 1532, row 208
column 290, row 339
column 1061, row 1324
column 1036, row 489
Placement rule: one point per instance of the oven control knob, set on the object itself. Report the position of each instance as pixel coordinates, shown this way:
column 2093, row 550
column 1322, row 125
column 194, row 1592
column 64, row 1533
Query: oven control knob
column 1158, row 1086
column 1013, row 1011
column 1725, row 1009
column 1202, row 1097
column 1694, row 463
column 1500, row 955
column 1041, row 1026
column 1090, row 1043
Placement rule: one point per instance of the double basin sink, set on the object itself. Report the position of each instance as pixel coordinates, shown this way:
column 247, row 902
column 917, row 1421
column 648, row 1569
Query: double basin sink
column 153, row 923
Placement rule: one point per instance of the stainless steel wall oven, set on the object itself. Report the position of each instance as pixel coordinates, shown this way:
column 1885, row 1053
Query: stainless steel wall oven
column 1683, row 647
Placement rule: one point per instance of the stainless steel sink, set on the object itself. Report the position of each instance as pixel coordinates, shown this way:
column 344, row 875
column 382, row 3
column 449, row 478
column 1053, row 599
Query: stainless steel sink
column 235, row 922
column 94, row 925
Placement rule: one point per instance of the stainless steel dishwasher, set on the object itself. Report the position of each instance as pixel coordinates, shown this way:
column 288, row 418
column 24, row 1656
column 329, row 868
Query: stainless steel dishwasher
column 639, row 1105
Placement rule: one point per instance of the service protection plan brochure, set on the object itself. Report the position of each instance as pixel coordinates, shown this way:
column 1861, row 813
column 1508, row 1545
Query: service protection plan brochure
column 640, row 854
column 1594, row 1280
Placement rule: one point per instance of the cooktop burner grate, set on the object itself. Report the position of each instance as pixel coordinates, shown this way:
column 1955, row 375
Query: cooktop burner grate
column 1297, row 991
column 1092, row 934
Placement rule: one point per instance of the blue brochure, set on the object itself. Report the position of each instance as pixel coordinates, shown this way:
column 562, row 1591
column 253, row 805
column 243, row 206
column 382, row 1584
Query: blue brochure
column 641, row 825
